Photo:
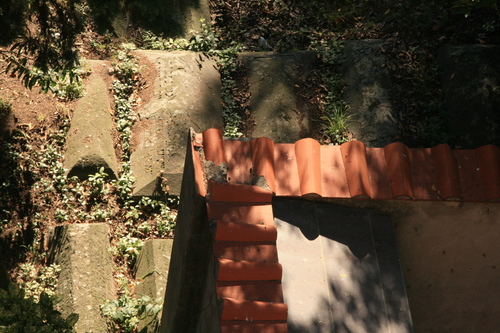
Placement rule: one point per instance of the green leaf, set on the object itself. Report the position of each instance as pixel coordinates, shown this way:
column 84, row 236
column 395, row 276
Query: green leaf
column 72, row 319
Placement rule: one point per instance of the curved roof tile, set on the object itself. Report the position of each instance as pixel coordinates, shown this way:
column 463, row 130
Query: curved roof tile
column 352, row 170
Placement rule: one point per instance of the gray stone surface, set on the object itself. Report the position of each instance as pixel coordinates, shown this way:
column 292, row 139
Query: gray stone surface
column 278, row 110
column 186, row 94
column 89, row 140
column 368, row 93
column 152, row 271
column 86, row 278
column 180, row 17
column 471, row 88
column 348, row 259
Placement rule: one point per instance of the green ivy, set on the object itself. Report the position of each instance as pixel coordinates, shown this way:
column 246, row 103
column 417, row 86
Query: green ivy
column 24, row 315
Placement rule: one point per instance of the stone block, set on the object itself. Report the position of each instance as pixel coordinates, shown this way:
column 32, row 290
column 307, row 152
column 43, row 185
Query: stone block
column 175, row 18
column 186, row 94
column 368, row 93
column 471, row 88
column 279, row 111
column 152, row 271
column 86, row 278
column 89, row 140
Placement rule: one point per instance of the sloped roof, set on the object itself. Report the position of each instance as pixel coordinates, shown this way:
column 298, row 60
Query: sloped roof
column 240, row 177
column 352, row 170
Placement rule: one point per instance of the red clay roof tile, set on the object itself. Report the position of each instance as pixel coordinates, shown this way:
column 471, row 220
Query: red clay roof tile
column 399, row 170
column 471, row 183
column 238, row 192
column 333, row 175
column 380, row 184
column 244, row 232
column 356, row 169
column 242, row 270
column 286, row 173
column 239, row 161
column 488, row 158
column 241, row 212
column 213, row 146
column 249, row 251
column 353, row 171
column 308, row 154
column 446, row 169
column 423, row 175
column 266, row 291
column 263, row 160
column 237, row 309
column 198, row 169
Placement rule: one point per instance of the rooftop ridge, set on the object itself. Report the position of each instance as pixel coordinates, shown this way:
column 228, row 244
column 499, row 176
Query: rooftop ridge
column 352, row 170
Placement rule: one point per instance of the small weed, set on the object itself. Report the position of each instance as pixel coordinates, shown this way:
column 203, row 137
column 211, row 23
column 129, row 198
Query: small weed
column 127, row 247
column 19, row 313
column 37, row 281
column 69, row 88
column 5, row 108
column 126, row 311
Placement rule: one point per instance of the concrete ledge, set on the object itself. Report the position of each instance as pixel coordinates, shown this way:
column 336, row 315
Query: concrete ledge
column 86, row 277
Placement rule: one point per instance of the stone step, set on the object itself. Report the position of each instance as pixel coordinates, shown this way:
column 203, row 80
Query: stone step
column 186, row 94
column 86, row 278
column 89, row 141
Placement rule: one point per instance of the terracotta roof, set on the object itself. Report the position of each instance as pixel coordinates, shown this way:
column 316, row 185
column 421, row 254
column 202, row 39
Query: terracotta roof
column 351, row 170
column 239, row 178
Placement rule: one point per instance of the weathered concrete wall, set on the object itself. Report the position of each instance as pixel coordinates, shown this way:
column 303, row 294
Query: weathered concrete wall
column 279, row 112
column 450, row 260
column 179, row 17
column 186, row 94
column 368, row 92
column 86, row 278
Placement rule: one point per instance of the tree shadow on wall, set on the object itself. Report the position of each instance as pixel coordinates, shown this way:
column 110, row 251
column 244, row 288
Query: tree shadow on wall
column 159, row 16
column 364, row 289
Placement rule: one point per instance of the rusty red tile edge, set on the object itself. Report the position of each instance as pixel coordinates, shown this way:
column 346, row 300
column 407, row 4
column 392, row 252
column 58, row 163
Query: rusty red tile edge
column 198, row 169
column 262, row 150
column 356, row 169
column 308, row 156
column 488, row 158
column 243, row 232
column 237, row 309
column 360, row 178
column 242, row 270
column 446, row 169
column 238, row 192
column 399, row 170
column 213, row 146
